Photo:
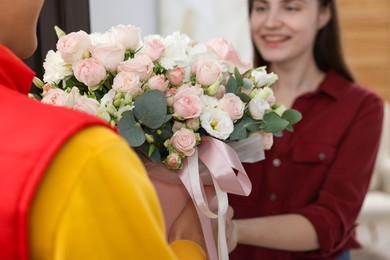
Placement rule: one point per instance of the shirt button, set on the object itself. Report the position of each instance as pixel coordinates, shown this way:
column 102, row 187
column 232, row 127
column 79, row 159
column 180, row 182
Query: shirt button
column 276, row 162
column 272, row 197
column 321, row 156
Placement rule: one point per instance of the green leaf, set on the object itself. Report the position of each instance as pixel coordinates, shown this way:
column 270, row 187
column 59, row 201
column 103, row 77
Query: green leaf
column 151, row 109
column 292, row 116
column 131, row 130
column 244, row 97
column 231, row 85
column 238, row 77
column 155, row 157
column 73, row 82
column 240, row 128
column 272, row 123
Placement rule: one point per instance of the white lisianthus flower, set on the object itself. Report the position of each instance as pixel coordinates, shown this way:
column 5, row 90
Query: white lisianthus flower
column 197, row 50
column 121, row 110
column 262, row 78
column 209, row 102
column 175, row 52
column 56, row 69
column 108, row 98
column 217, row 123
column 257, row 107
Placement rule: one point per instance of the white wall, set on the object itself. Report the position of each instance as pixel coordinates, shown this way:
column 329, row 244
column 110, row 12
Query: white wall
column 141, row 13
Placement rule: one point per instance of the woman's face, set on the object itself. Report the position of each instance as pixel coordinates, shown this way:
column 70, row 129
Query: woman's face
column 285, row 30
column 18, row 22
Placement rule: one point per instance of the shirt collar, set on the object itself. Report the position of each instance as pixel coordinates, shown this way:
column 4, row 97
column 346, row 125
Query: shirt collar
column 14, row 73
column 333, row 84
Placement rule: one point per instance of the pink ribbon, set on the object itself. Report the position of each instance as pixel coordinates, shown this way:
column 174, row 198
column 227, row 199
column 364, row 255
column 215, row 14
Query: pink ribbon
column 222, row 163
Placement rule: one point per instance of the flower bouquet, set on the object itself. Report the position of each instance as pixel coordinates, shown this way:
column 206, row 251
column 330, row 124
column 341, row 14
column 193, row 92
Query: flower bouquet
column 181, row 104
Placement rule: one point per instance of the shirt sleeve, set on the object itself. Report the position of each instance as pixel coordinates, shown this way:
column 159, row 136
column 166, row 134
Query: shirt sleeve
column 96, row 202
column 339, row 202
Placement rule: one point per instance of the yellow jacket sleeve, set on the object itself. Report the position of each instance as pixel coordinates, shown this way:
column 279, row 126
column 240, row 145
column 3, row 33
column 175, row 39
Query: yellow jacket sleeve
column 96, row 202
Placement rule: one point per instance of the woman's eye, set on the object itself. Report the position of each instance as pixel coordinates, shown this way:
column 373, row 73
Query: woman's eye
column 260, row 8
column 292, row 8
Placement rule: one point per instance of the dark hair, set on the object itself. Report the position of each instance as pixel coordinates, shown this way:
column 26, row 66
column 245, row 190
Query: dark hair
column 327, row 47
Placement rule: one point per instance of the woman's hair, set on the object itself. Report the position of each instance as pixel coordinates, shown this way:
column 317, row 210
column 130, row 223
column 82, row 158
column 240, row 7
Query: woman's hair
column 327, row 47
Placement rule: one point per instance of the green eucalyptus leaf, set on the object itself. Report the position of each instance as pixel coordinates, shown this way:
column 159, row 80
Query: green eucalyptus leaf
column 240, row 128
column 166, row 132
column 231, row 85
column 292, row 116
column 155, row 156
column 272, row 123
column 244, row 97
column 131, row 130
column 150, row 109
column 238, row 77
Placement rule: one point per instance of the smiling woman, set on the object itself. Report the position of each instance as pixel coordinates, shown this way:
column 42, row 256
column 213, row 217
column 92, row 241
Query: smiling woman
column 307, row 194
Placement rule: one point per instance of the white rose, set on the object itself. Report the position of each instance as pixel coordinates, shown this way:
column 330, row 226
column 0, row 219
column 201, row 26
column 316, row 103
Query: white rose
column 127, row 82
column 59, row 97
column 257, row 107
column 127, row 35
column 233, row 105
column 74, row 46
column 87, row 105
column 56, row 69
column 217, row 123
column 110, row 55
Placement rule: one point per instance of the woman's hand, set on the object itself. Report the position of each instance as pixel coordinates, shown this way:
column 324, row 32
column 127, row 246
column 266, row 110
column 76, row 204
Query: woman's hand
column 187, row 226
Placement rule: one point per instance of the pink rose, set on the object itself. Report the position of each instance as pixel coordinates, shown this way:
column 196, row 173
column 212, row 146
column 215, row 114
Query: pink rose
column 173, row 161
column 184, row 141
column 193, row 124
column 233, row 105
column 74, row 46
column 109, row 55
column 87, row 105
column 127, row 82
column 89, row 71
column 158, row 82
column 127, row 35
column 226, row 52
column 207, row 70
column 187, row 105
column 176, row 75
column 154, row 49
column 141, row 64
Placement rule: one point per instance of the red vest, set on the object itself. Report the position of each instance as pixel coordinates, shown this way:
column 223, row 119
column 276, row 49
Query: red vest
column 30, row 135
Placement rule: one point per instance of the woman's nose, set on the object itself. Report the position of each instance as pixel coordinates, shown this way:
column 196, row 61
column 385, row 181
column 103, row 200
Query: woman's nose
column 273, row 19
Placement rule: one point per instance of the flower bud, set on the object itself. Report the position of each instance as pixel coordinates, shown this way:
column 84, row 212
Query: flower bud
column 149, row 138
column 280, row 109
column 213, row 88
column 38, row 83
column 59, row 31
